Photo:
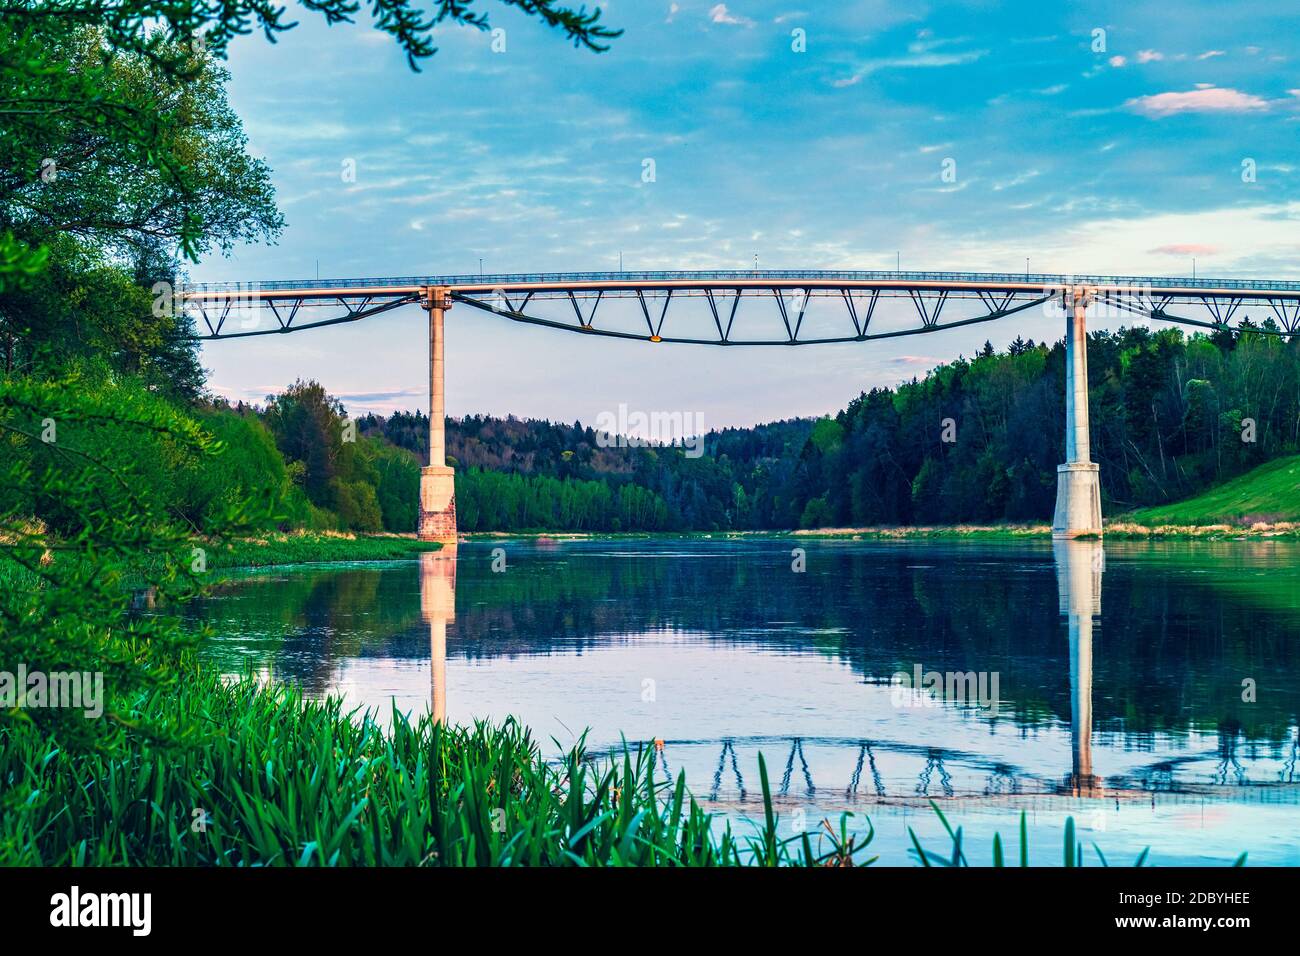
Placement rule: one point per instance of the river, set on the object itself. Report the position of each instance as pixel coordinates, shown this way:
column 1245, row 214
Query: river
column 1148, row 690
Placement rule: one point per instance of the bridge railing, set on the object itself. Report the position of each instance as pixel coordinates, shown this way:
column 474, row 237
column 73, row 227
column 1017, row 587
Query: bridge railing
column 1043, row 280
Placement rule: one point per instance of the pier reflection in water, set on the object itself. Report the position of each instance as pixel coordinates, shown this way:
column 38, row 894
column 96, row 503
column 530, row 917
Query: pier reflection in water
column 438, row 607
column 1137, row 701
column 1079, row 566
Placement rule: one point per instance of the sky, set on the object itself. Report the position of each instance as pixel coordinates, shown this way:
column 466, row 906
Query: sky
column 1097, row 137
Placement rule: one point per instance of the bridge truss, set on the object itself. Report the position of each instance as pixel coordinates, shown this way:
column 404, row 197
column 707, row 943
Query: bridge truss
column 1228, row 771
column 743, row 308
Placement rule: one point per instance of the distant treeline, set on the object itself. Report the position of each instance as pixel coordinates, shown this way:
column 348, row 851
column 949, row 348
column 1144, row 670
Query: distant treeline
column 975, row 440
column 517, row 475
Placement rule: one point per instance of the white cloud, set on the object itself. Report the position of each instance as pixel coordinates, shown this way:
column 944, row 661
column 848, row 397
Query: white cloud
column 1249, row 240
column 1185, row 249
column 1203, row 99
column 1149, row 56
column 1016, row 180
column 720, row 14
column 917, row 61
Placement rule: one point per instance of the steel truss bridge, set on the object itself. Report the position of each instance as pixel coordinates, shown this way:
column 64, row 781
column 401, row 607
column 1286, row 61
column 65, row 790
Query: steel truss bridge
column 705, row 308
column 787, row 307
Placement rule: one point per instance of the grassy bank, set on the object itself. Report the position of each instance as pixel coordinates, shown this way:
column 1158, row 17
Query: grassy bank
column 1124, row 526
column 904, row 531
column 245, row 774
column 310, row 547
column 910, row 532
column 266, row 551
column 1127, row 527
column 1269, row 495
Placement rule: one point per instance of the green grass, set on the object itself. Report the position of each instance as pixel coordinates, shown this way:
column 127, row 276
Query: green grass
column 258, row 776
column 276, row 549
column 1270, row 493
column 246, row 774
column 308, row 548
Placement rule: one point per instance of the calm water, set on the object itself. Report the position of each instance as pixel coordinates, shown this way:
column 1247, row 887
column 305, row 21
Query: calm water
column 1118, row 674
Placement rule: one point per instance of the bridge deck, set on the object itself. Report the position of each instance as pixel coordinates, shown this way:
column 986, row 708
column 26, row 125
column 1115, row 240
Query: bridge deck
column 793, row 291
column 564, row 282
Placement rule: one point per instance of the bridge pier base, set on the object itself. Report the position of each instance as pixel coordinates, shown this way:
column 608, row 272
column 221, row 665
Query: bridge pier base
column 438, row 504
column 437, row 481
column 1078, row 481
column 1078, row 500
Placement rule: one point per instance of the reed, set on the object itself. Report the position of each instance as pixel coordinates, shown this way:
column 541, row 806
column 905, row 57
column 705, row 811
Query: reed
column 251, row 774
column 248, row 774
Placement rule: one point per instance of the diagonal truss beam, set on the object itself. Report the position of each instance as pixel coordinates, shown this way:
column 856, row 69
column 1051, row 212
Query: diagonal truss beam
column 214, row 315
column 1221, row 312
column 792, row 319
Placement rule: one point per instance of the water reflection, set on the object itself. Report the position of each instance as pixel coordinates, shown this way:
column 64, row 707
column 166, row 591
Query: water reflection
column 438, row 606
column 1079, row 566
column 1136, row 701
column 747, row 656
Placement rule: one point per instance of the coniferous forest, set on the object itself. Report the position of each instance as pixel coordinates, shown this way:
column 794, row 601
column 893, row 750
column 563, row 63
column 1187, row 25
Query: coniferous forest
column 1171, row 415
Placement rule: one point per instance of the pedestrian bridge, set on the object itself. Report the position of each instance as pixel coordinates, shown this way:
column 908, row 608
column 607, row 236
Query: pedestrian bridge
column 705, row 308
column 781, row 308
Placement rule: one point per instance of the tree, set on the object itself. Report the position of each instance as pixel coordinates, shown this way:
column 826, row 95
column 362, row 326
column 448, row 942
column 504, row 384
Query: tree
column 86, row 76
column 308, row 428
column 107, row 190
column 109, row 212
column 85, row 310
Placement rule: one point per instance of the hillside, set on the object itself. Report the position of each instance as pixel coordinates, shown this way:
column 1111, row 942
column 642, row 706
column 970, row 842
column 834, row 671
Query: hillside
column 1269, row 493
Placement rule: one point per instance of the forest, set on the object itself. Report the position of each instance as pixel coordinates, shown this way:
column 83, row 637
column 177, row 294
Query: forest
column 975, row 440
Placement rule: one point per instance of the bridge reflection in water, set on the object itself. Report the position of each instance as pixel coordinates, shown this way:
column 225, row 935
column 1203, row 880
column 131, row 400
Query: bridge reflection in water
column 938, row 771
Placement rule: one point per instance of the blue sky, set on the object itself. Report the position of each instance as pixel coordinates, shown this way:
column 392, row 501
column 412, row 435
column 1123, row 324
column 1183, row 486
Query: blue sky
column 1127, row 160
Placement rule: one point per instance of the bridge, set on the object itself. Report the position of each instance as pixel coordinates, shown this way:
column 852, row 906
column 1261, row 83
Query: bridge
column 705, row 307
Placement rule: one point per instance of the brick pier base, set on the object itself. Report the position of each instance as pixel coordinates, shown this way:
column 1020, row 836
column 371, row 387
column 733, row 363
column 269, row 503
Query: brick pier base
column 437, row 504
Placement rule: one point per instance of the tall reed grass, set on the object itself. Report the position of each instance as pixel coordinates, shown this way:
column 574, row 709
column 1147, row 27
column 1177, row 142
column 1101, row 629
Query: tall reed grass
column 246, row 774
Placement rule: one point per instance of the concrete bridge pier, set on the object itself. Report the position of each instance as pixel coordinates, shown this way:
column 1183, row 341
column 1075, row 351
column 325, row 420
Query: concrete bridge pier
column 1078, row 481
column 437, row 482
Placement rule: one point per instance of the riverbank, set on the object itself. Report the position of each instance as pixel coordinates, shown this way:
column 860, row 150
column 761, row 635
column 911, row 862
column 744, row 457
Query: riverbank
column 238, row 779
column 1121, row 528
column 302, row 547
column 1263, row 503
column 309, row 547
